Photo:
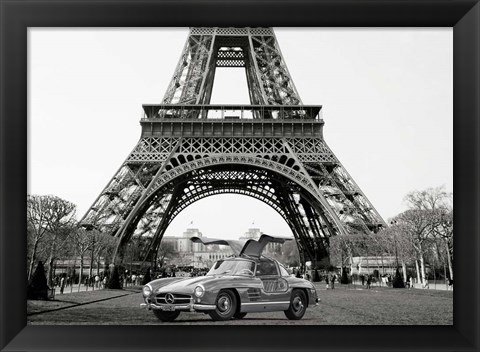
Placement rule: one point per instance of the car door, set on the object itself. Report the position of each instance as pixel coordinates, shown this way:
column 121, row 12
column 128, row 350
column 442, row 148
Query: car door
column 274, row 293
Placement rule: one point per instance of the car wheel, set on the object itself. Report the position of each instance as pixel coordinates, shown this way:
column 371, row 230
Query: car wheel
column 239, row 315
column 298, row 305
column 166, row 316
column 225, row 306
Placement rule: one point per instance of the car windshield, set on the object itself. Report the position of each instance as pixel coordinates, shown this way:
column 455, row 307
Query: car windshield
column 233, row 267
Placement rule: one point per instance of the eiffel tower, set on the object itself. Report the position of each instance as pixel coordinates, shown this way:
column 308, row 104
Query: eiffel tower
column 272, row 150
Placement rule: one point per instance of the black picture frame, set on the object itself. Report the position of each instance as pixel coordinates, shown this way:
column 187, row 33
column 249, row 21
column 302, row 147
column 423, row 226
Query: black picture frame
column 18, row 15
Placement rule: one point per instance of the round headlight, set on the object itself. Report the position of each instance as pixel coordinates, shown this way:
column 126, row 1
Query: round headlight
column 199, row 291
column 146, row 291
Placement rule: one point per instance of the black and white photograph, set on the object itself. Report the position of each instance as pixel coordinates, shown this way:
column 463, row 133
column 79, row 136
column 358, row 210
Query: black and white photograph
column 240, row 176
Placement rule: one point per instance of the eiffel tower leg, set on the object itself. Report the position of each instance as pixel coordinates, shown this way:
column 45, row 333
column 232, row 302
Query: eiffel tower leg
column 338, row 188
column 142, row 222
column 141, row 216
column 167, row 218
column 296, row 224
column 320, row 236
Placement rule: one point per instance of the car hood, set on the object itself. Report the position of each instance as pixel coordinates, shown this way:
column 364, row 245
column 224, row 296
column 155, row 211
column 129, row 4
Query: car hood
column 183, row 284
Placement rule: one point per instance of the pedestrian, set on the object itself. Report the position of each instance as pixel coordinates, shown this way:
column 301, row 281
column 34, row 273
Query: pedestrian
column 369, row 281
column 62, row 284
column 332, row 281
column 362, row 277
column 306, row 276
column 297, row 272
column 105, row 281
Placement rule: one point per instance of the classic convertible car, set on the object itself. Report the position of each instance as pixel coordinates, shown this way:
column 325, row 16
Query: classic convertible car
column 246, row 282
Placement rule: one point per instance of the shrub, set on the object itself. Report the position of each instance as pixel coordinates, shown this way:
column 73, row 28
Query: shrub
column 146, row 278
column 315, row 276
column 114, row 281
column 397, row 280
column 37, row 287
column 344, row 278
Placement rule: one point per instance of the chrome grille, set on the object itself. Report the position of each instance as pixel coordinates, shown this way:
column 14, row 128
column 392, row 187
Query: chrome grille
column 275, row 285
column 269, row 285
column 178, row 298
column 253, row 294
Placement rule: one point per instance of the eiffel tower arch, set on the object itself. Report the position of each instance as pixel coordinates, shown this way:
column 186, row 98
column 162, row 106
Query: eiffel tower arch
column 272, row 150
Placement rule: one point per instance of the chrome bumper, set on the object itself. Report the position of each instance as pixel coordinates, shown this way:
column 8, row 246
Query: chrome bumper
column 192, row 307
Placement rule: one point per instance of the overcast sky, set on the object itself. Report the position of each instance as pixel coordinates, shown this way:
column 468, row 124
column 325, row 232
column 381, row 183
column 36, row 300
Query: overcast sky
column 386, row 95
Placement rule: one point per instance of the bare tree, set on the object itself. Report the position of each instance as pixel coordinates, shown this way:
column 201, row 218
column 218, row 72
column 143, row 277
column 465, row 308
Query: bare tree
column 57, row 247
column 340, row 250
column 45, row 215
column 438, row 203
column 103, row 246
column 396, row 241
column 286, row 253
column 165, row 250
column 417, row 224
column 82, row 243
column 444, row 233
column 343, row 248
column 430, row 199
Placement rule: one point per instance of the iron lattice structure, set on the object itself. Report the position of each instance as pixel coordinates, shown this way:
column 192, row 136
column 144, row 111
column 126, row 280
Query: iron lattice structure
column 272, row 150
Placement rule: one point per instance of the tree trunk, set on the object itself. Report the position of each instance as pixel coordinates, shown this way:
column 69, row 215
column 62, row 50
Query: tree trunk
column 383, row 267
column 422, row 268
column 51, row 260
column 73, row 274
column 50, row 274
column 404, row 269
column 350, row 258
column 450, row 268
column 32, row 259
column 90, row 272
column 92, row 257
column 418, row 271
column 80, row 274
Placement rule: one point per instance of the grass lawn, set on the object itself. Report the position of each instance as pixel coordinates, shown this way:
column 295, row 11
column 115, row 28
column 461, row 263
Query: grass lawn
column 345, row 305
column 73, row 299
column 385, row 306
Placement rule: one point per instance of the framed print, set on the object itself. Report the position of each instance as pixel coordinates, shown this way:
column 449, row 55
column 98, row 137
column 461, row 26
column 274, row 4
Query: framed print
column 21, row 19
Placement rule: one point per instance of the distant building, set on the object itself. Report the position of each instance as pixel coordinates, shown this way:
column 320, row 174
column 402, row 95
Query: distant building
column 69, row 265
column 195, row 254
column 200, row 256
column 367, row 265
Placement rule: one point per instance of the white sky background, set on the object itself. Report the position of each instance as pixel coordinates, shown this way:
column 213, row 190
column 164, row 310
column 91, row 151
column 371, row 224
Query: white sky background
column 386, row 95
